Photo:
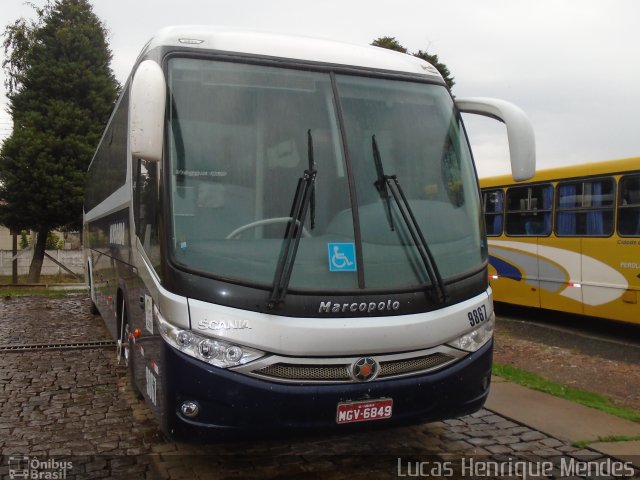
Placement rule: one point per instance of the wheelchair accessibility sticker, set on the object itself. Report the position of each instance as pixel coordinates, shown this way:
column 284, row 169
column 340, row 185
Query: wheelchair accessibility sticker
column 342, row 257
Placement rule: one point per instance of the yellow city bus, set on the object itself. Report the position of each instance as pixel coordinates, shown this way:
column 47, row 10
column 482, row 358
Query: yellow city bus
column 568, row 239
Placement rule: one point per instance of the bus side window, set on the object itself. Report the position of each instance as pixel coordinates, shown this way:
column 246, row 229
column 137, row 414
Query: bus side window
column 529, row 210
column 599, row 200
column 585, row 207
column 629, row 206
column 493, row 204
column 145, row 204
column 566, row 221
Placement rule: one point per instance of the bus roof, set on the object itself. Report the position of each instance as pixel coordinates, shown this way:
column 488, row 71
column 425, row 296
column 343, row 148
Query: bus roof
column 283, row 46
column 608, row 167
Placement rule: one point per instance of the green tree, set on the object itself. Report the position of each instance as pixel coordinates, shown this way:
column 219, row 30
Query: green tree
column 54, row 242
column 389, row 43
column 61, row 90
column 392, row 44
column 442, row 68
column 24, row 240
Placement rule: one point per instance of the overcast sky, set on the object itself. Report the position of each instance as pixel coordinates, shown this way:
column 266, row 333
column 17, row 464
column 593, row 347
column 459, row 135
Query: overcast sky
column 572, row 65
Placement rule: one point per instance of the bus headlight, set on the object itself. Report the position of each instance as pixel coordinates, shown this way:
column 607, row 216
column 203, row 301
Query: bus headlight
column 473, row 340
column 213, row 351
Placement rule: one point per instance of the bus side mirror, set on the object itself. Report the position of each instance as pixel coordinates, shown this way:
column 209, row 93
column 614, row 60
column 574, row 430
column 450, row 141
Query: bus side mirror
column 147, row 102
column 522, row 143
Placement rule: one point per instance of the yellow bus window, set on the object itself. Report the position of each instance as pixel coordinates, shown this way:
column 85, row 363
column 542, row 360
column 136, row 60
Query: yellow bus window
column 629, row 206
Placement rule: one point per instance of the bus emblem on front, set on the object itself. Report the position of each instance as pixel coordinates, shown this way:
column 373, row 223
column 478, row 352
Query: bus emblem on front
column 365, row 369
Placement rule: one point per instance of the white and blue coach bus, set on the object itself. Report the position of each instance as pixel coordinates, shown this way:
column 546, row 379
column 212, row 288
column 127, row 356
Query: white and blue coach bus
column 286, row 233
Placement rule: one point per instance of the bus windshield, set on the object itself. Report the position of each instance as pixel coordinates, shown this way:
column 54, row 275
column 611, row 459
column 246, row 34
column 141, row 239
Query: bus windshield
column 240, row 139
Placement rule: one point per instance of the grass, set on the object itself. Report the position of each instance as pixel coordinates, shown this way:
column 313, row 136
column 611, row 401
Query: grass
column 8, row 292
column 583, row 397
column 611, row 438
column 101, row 389
column 44, row 279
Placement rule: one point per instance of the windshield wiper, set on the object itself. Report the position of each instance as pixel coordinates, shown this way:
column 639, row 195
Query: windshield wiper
column 386, row 183
column 303, row 200
column 380, row 183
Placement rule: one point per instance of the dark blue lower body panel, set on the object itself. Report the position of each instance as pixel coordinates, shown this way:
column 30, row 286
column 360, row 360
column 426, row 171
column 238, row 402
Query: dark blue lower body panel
column 232, row 403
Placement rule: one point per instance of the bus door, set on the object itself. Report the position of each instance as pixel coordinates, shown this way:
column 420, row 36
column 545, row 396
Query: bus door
column 610, row 262
column 560, row 251
column 528, row 220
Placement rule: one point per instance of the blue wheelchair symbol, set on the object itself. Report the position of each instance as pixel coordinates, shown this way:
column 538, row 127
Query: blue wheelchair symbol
column 342, row 257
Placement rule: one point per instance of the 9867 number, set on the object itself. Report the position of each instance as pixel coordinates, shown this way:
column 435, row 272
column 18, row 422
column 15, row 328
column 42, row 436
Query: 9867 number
column 477, row 315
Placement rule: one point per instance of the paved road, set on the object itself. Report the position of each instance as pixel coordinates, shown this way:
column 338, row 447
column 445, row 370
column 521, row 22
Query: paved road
column 61, row 405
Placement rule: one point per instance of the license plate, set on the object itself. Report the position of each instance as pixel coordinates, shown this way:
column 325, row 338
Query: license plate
column 365, row 411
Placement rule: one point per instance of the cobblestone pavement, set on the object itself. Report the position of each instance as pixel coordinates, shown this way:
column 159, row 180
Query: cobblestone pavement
column 75, row 405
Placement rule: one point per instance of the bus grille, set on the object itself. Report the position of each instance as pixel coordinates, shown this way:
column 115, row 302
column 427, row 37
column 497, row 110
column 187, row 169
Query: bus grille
column 340, row 372
column 303, row 373
column 399, row 367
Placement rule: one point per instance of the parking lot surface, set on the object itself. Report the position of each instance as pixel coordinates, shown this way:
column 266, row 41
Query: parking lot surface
column 66, row 407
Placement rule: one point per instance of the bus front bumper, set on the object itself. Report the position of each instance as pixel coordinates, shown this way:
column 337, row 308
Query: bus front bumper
column 231, row 403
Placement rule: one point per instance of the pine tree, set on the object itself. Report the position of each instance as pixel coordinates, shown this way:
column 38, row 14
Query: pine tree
column 61, row 93
column 391, row 43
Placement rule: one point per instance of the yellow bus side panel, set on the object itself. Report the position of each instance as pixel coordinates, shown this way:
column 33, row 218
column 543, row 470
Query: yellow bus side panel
column 516, row 268
column 560, row 267
column 611, row 288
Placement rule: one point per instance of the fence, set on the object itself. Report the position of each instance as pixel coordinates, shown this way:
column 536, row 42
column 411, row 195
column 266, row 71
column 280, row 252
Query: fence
column 72, row 259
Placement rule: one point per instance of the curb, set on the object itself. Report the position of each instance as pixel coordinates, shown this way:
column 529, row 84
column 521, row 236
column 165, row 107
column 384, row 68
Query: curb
column 565, row 420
